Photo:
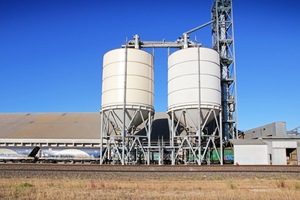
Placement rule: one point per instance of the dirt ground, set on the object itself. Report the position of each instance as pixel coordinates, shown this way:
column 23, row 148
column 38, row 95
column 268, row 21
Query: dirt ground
column 148, row 185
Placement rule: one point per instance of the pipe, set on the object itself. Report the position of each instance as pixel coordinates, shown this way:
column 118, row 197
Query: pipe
column 124, row 108
column 136, row 41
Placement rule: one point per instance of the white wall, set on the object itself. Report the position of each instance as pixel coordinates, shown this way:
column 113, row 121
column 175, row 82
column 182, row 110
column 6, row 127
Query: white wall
column 279, row 151
column 251, row 155
column 298, row 154
column 279, row 156
column 284, row 144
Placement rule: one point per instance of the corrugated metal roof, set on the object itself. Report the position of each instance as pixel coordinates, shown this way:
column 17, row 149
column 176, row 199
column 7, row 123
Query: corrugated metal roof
column 62, row 125
column 50, row 125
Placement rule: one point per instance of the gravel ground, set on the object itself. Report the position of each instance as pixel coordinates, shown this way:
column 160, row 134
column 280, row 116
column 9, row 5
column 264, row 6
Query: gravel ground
column 146, row 172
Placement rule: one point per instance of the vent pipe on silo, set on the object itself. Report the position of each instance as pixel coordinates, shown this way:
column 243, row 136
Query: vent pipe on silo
column 136, row 41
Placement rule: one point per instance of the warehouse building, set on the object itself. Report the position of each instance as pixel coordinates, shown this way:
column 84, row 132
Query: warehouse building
column 267, row 145
column 62, row 129
column 61, row 135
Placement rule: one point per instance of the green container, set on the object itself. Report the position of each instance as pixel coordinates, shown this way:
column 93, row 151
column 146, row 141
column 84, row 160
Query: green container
column 214, row 157
column 155, row 156
column 228, row 156
column 191, row 157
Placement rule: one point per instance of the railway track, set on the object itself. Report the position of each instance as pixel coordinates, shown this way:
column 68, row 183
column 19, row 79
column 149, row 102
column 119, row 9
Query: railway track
column 145, row 168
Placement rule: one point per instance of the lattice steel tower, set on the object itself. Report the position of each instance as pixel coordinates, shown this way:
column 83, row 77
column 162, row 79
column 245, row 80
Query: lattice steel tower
column 223, row 42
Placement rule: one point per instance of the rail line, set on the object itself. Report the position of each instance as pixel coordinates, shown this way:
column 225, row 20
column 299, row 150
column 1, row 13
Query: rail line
column 149, row 169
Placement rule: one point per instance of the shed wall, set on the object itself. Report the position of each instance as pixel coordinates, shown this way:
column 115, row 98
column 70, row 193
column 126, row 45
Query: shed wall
column 251, row 155
column 279, row 156
column 298, row 152
column 284, row 144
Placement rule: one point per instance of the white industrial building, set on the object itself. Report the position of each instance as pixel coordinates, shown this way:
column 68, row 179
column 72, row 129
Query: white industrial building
column 267, row 145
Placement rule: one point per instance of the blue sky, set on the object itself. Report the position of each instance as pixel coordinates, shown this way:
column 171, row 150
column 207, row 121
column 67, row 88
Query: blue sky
column 51, row 52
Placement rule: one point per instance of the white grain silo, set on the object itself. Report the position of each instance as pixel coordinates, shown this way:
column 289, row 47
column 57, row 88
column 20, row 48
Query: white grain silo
column 194, row 95
column 127, row 95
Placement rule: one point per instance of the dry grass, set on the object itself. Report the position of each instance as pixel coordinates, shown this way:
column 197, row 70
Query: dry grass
column 128, row 187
